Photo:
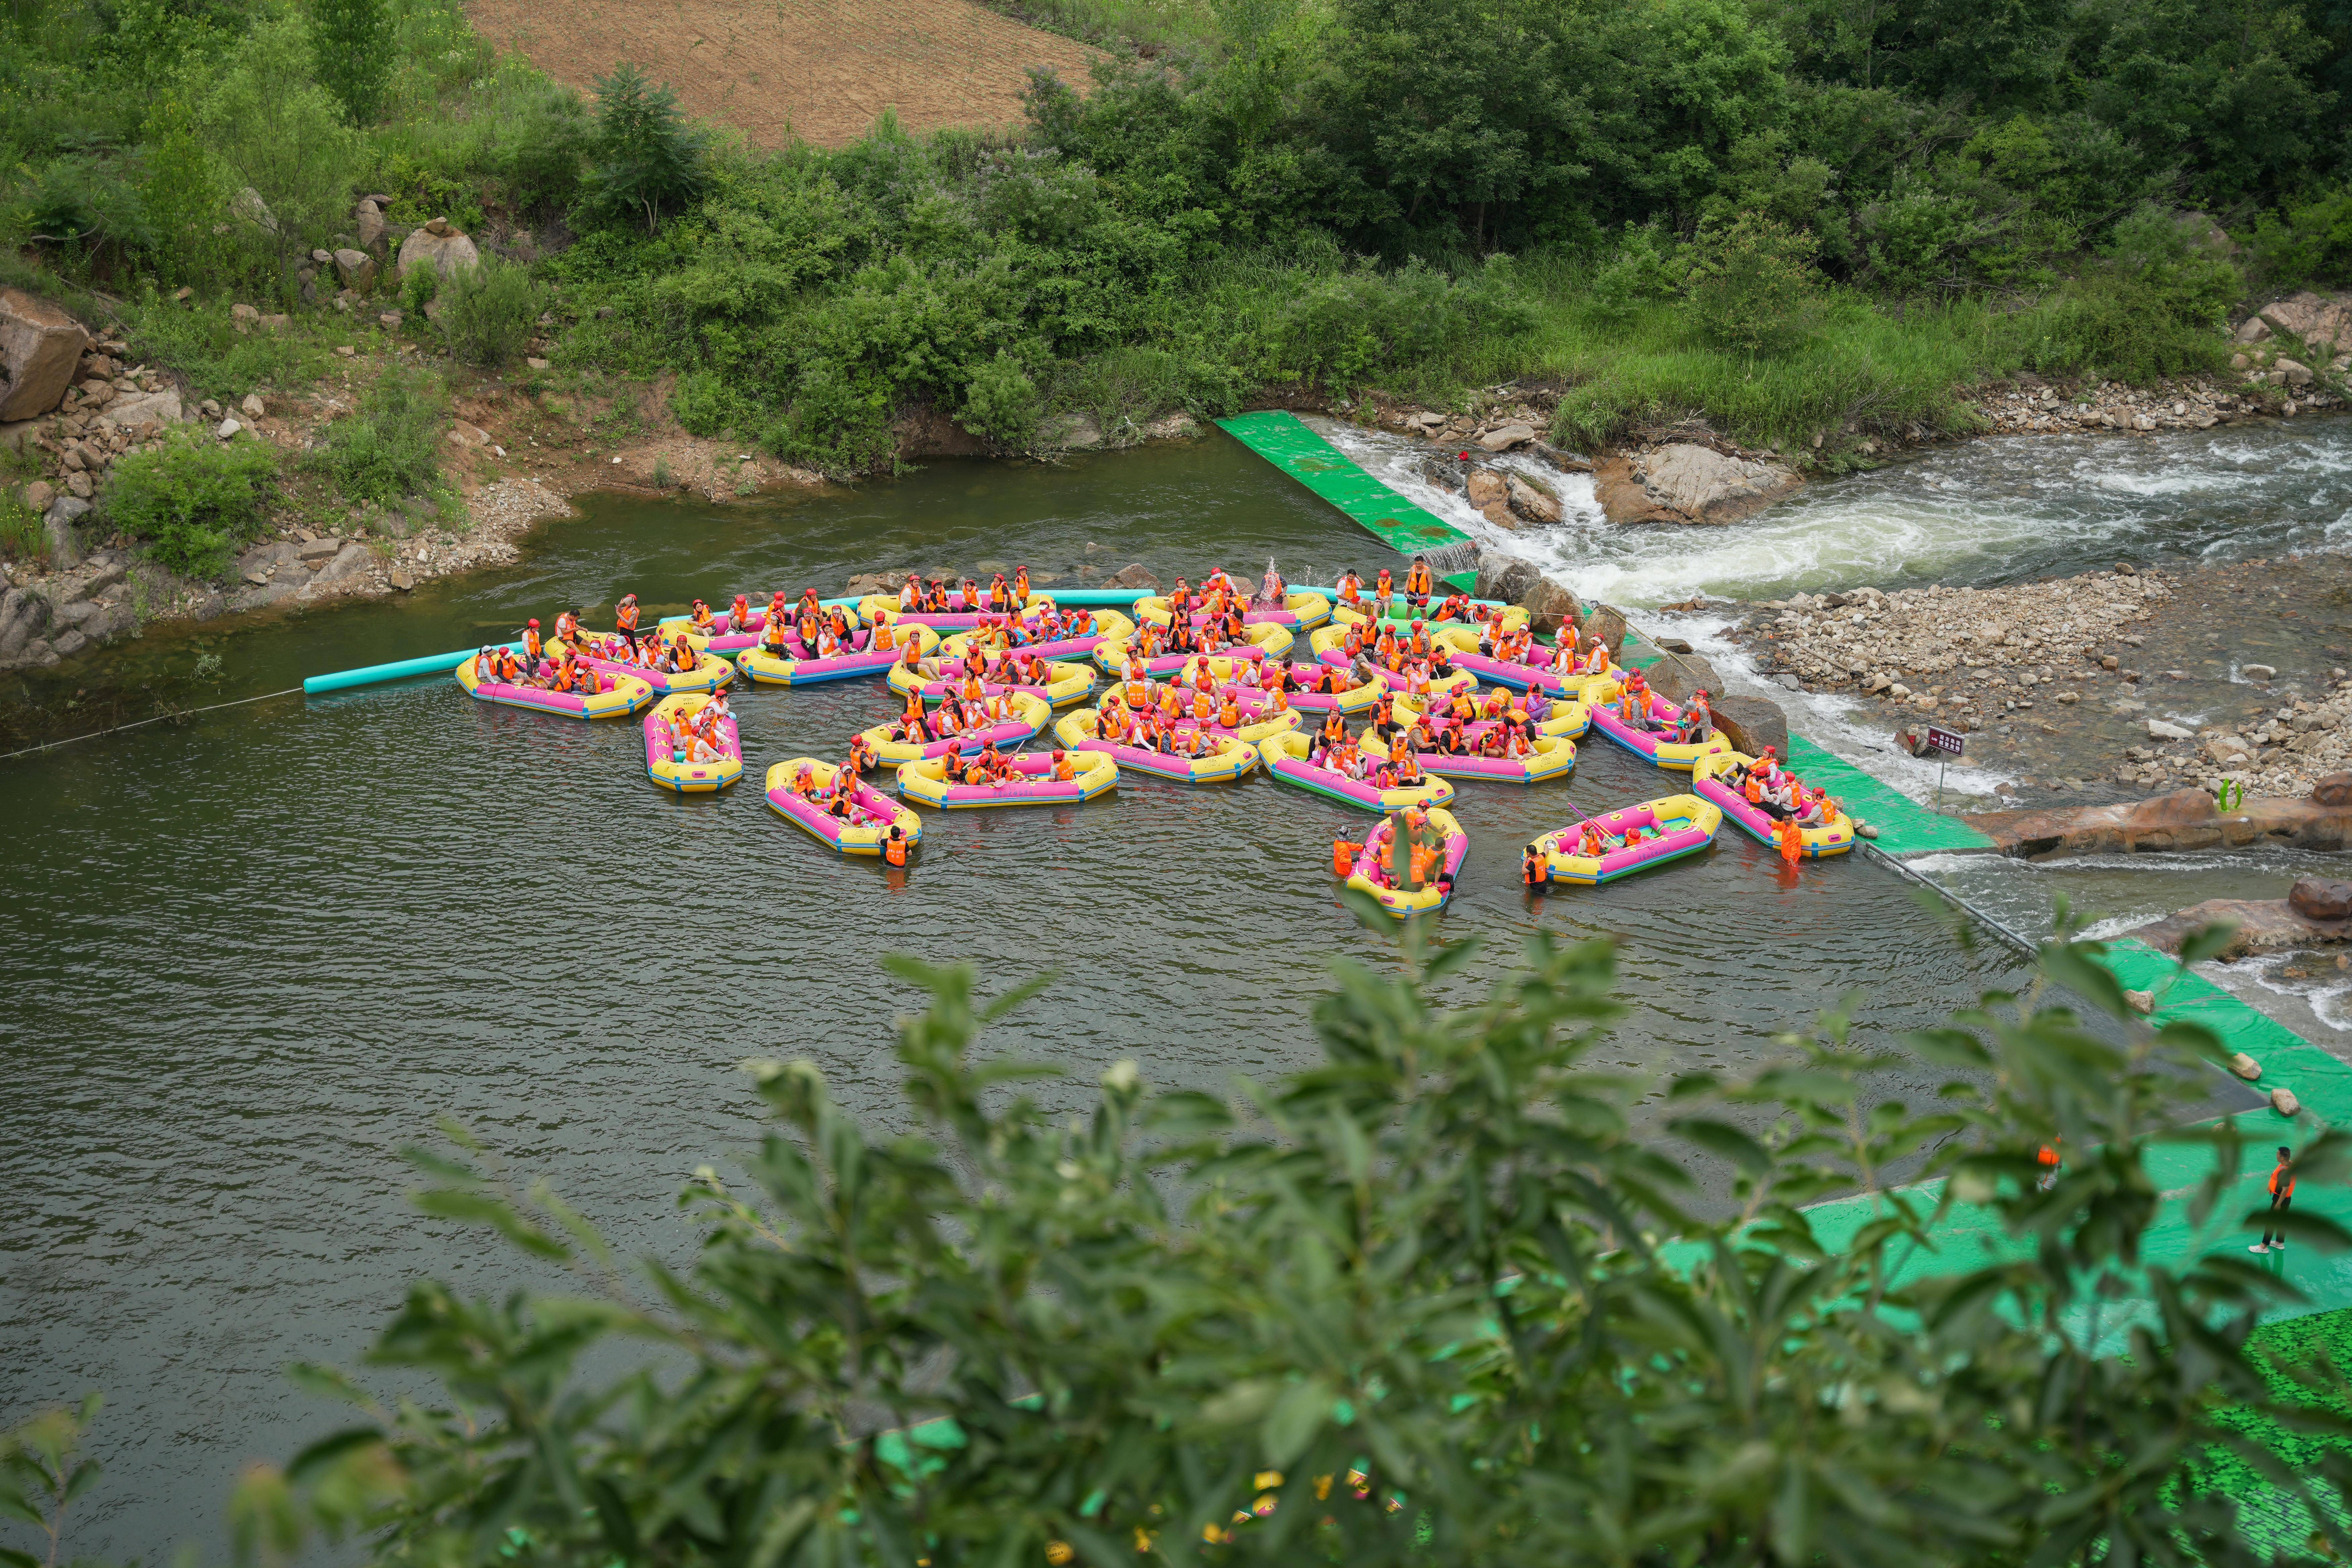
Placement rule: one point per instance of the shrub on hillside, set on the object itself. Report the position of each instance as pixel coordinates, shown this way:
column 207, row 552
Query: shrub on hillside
column 490, row 311
column 391, row 447
column 191, row 499
column 1755, row 286
column 647, row 157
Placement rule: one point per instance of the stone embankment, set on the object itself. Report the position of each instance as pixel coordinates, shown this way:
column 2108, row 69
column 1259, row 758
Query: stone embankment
column 2317, row 911
column 2179, row 820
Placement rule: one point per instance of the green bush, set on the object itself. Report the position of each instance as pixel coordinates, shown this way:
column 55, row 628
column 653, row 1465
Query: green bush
column 23, row 535
column 1754, row 285
column 2310, row 242
column 391, row 447
column 648, row 159
column 352, row 42
column 1533, row 1311
column 191, row 499
column 490, row 311
column 1001, row 404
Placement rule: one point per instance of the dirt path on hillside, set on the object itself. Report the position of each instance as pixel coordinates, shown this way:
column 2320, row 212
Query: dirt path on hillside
column 821, row 70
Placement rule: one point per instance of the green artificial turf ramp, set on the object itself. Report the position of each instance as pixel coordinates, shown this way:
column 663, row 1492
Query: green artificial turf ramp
column 1282, row 440
column 1905, row 827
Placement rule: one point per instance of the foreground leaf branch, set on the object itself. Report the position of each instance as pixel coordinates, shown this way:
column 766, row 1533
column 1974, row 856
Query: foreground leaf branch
column 1454, row 1294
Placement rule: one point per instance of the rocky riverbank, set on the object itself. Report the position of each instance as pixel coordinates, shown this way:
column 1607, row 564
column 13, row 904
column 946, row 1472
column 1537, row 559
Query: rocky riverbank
column 2118, row 684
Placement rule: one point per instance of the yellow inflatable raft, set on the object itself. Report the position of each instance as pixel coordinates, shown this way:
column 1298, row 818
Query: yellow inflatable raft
column 628, row 695
column 1065, row 683
column 709, row 672
column 662, row 762
column 1709, row 779
column 1371, row 875
column 1227, row 759
column 1400, row 614
column 1285, row 758
column 1031, row 719
column 1301, row 612
column 863, row 834
column 938, row 782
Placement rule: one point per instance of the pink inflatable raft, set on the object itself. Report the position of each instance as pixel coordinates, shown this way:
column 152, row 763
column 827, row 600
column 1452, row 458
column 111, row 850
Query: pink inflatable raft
column 1605, row 699
column 669, row 753
column 1299, row 612
column 873, row 814
column 1064, row 683
column 939, row 782
column 1670, row 827
column 799, row 665
column 1034, row 715
column 1106, row 626
column 1285, row 758
column 618, row 697
column 1834, row 836
column 607, row 655
column 734, row 639
column 959, row 616
column 1224, row 758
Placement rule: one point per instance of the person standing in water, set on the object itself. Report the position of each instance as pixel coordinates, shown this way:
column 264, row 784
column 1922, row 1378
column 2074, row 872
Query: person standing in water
column 2282, row 1199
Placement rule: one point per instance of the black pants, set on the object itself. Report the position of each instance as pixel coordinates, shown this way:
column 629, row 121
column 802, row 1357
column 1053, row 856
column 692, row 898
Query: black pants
column 2279, row 1205
column 631, row 633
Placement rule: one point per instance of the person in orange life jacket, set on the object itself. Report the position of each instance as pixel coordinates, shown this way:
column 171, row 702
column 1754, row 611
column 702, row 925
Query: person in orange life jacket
column 1535, row 868
column 700, row 619
column 1065, row 770
column 910, row 594
column 1592, row 844
column 1695, row 725
column 2281, row 1200
column 625, row 615
column 532, row 649
column 862, row 756
column 893, row 847
column 1417, row 583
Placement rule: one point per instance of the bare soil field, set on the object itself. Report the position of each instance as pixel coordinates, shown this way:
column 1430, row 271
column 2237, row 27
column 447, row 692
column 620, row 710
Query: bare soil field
column 819, row 69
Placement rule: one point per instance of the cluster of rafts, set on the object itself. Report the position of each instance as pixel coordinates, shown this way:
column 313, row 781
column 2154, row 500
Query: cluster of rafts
column 1267, row 733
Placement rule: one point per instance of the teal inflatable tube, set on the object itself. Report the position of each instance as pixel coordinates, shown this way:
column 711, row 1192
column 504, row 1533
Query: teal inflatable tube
column 403, row 669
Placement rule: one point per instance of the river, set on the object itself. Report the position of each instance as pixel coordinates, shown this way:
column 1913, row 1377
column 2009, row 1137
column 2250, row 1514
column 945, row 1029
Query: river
column 252, row 955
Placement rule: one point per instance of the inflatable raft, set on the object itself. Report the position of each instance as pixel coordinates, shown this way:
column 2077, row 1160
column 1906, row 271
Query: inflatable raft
column 1260, row 643
column 1549, row 679
column 933, row 782
column 1553, row 757
column 1301, row 612
column 667, row 767
column 1329, row 649
column 1603, row 694
column 629, row 693
column 962, row 619
column 1109, row 625
column 1835, row 837
column 1065, row 683
column 796, row 666
column 1681, row 824
column 1228, row 756
column 709, row 672
column 865, row 837
column 1434, row 894
column 1033, row 717
column 732, row 640
column 1285, row 758
column 1343, row 614
column 1569, row 719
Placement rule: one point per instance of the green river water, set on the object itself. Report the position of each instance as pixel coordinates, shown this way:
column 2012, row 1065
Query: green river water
column 250, row 957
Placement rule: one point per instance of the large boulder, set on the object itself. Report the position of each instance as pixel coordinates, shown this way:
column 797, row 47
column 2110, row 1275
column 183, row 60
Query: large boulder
column 1534, row 500
column 1552, row 608
column 439, row 246
column 867, row 584
column 1678, row 675
column 2311, row 318
column 356, row 268
column 1486, row 486
column 2335, row 789
column 375, row 233
column 64, row 545
column 1752, row 724
column 1504, row 578
column 2321, row 899
column 1134, row 576
column 40, row 345
column 1608, row 623
column 24, row 616
column 1690, row 483
column 347, row 566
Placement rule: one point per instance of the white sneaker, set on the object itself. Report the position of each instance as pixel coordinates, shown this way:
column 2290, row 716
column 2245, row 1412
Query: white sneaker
column 2278, row 1247
column 2258, row 1247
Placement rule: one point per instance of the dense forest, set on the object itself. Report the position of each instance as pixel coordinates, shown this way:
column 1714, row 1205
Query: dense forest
column 1791, row 217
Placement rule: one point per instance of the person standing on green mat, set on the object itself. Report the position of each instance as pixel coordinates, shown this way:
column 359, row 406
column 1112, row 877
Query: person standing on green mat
column 2282, row 1199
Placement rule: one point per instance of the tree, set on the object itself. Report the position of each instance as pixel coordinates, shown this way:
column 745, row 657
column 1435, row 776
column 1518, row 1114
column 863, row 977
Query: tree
column 647, row 158
column 289, row 155
column 1411, row 1306
column 353, row 43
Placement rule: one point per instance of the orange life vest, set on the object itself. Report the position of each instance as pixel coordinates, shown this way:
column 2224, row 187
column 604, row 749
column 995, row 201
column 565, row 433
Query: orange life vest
column 1064, row 771
column 628, row 616
column 894, row 851
column 1343, row 857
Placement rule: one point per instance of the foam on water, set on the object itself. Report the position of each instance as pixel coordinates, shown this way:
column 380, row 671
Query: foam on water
column 1987, row 512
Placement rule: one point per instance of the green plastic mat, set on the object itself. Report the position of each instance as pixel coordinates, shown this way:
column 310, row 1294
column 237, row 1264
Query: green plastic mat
column 1282, row 440
column 1905, row 827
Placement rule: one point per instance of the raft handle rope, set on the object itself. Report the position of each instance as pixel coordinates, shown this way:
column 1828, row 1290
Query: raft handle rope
column 175, row 714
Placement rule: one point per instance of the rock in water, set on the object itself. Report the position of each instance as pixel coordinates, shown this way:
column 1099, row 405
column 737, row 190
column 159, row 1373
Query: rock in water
column 2335, row 789
column 40, row 345
column 1533, row 499
column 867, row 584
column 1675, row 679
column 1608, row 623
column 1506, row 438
column 439, row 246
column 2321, row 899
column 1752, row 724
column 1683, row 482
column 1506, row 579
column 1486, row 486
column 1552, row 607
column 1133, row 576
